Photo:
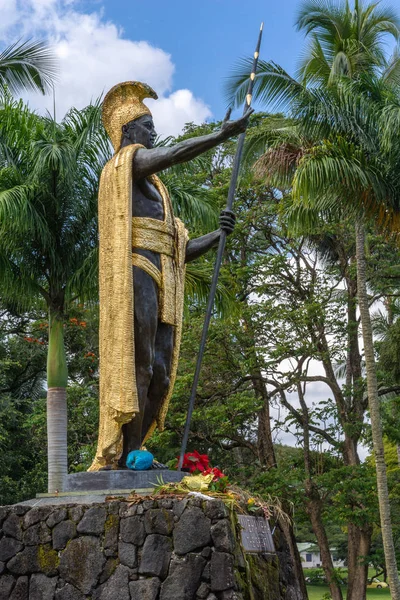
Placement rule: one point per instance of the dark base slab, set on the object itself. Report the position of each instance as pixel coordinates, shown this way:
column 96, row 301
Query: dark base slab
column 120, row 480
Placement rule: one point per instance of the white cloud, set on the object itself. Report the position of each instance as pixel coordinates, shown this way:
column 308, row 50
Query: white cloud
column 93, row 56
column 8, row 10
column 172, row 112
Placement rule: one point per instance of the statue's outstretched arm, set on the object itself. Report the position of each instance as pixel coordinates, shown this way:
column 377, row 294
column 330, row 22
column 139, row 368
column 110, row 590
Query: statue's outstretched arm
column 202, row 244
column 149, row 161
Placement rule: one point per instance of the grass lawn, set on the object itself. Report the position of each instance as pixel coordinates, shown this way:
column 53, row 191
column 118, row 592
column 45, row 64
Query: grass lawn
column 316, row 592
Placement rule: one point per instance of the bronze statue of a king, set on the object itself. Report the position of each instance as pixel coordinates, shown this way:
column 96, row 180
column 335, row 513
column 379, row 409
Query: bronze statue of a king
column 143, row 251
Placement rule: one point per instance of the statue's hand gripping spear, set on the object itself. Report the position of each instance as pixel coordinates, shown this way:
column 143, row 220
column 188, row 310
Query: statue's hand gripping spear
column 221, row 247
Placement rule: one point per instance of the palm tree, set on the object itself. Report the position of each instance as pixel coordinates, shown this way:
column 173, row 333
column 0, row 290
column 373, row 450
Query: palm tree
column 343, row 165
column 27, row 66
column 48, row 233
column 345, row 41
column 351, row 170
column 355, row 171
column 348, row 164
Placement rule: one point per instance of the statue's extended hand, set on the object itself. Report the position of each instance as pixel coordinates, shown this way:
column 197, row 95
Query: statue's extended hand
column 227, row 221
column 230, row 128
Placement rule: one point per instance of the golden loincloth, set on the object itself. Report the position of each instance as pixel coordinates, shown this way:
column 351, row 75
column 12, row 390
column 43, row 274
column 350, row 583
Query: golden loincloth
column 119, row 233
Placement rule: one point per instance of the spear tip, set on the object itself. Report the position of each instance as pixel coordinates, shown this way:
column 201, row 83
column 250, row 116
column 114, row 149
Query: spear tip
column 262, row 26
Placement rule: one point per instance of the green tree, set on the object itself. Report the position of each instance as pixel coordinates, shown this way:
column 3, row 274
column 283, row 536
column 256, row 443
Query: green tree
column 344, row 169
column 340, row 169
column 342, row 172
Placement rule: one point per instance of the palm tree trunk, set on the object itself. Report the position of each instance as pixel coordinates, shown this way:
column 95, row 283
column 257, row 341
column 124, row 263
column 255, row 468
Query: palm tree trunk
column 377, row 439
column 57, row 376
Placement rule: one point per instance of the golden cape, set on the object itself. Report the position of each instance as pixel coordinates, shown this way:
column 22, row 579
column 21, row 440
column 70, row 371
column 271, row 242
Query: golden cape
column 117, row 235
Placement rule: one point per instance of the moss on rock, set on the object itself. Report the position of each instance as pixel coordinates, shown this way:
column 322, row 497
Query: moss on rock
column 48, row 559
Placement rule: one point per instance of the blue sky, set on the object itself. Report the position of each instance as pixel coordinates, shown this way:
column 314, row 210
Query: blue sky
column 184, row 49
column 206, row 37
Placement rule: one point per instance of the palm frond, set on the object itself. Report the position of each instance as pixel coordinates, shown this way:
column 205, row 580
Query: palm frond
column 389, row 124
column 341, row 66
column 277, row 165
column 377, row 21
column 18, row 285
column 347, row 41
column 322, row 17
column 197, row 289
column 17, row 123
column 86, row 129
column 272, row 84
column 313, row 65
column 19, row 217
column 272, row 131
column 53, row 155
column 49, row 176
column 27, row 65
column 380, row 324
column 391, row 72
column 337, row 177
column 83, row 284
column 339, row 164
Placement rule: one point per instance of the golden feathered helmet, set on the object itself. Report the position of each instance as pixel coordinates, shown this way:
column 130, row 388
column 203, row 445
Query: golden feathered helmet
column 122, row 104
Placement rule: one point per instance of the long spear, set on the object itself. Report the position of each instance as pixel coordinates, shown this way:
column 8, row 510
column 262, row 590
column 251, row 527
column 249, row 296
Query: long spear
column 221, row 248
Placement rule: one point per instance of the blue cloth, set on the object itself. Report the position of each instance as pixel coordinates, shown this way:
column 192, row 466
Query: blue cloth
column 139, row 460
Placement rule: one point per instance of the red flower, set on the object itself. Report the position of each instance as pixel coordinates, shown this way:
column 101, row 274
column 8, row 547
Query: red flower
column 195, row 462
column 216, row 472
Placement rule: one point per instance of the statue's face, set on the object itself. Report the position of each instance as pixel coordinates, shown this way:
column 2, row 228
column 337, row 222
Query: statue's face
column 140, row 131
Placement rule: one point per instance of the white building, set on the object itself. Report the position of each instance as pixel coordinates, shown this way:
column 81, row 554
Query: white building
column 311, row 557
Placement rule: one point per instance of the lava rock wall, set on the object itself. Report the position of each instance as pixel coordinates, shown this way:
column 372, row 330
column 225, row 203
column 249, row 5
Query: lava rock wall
column 166, row 549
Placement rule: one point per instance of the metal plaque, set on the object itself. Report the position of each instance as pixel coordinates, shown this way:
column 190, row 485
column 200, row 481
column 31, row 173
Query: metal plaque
column 256, row 535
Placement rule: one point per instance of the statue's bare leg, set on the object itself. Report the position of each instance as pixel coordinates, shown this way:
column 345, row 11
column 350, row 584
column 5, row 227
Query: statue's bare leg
column 145, row 329
column 159, row 384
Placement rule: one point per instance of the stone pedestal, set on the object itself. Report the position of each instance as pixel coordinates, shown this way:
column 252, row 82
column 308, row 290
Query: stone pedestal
column 123, row 481
column 86, row 488
column 162, row 549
